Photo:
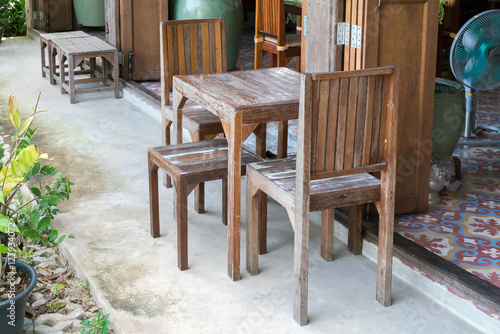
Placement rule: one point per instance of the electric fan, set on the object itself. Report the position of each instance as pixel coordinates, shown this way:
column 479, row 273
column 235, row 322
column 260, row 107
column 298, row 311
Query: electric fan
column 475, row 62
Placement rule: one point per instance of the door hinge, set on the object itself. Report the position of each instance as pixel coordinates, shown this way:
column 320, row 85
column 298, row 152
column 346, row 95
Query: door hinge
column 304, row 25
column 356, row 36
column 130, row 64
column 120, row 58
column 343, row 33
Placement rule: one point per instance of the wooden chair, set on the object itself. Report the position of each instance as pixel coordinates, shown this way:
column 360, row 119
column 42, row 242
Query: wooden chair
column 191, row 47
column 271, row 37
column 188, row 164
column 347, row 130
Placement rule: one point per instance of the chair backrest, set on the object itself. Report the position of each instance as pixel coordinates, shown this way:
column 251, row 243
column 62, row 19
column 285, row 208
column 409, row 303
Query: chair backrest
column 347, row 123
column 191, row 47
column 270, row 19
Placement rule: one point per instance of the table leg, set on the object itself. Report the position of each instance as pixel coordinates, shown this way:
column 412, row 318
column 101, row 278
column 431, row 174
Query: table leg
column 116, row 75
column 62, row 75
column 43, row 45
column 71, row 74
column 177, row 106
column 233, row 134
column 52, row 63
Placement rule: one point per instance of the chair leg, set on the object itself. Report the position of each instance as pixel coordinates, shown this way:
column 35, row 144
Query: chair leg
column 301, row 264
column 354, row 240
column 258, row 55
column 167, row 181
column 224, row 201
column 385, row 238
column 181, row 207
column 282, row 139
column 297, row 64
column 262, row 223
column 199, row 191
column 252, row 230
column 281, row 59
column 154, row 209
column 327, row 222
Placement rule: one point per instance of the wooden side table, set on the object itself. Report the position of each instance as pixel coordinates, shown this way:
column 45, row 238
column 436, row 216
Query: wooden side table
column 46, row 43
column 75, row 50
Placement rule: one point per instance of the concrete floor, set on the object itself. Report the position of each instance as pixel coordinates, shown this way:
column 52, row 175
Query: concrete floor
column 100, row 142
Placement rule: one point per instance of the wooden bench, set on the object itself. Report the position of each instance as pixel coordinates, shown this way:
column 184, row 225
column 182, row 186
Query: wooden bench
column 46, row 43
column 188, row 165
column 75, row 50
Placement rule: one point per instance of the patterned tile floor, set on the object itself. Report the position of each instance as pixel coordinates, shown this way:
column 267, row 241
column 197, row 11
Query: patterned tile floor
column 465, row 227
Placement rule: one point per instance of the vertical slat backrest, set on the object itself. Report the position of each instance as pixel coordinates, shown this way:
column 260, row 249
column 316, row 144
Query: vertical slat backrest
column 352, row 119
column 270, row 19
column 191, row 47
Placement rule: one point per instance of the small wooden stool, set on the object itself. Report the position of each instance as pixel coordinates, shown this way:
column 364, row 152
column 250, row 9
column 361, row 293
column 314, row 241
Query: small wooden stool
column 46, row 43
column 75, row 50
column 188, row 164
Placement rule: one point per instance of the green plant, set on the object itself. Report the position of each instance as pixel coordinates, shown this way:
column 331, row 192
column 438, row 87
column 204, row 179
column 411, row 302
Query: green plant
column 84, row 285
column 99, row 325
column 57, row 287
column 441, row 10
column 13, row 17
column 28, row 200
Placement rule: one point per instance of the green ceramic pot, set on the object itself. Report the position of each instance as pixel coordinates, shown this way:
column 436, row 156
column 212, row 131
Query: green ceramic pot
column 230, row 10
column 449, row 116
column 89, row 13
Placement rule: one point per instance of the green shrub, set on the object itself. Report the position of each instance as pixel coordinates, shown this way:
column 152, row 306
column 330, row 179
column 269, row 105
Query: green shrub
column 13, row 17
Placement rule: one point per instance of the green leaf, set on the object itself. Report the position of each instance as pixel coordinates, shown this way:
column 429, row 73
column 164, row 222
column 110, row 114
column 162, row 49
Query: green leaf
column 34, row 217
column 44, row 223
column 36, row 191
column 7, row 225
column 53, row 235
column 72, row 236
column 36, row 168
column 4, row 249
column 26, row 124
column 46, row 242
column 45, row 170
column 61, row 239
column 51, row 199
column 32, row 234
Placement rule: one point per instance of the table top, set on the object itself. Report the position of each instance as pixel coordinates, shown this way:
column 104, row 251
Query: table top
column 84, row 45
column 262, row 95
column 66, row 34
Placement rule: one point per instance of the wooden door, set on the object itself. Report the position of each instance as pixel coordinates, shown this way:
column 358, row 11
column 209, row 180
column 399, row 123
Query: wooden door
column 111, row 12
column 403, row 33
column 140, row 38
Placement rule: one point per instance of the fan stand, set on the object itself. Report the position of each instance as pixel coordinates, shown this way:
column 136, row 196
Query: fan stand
column 470, row 121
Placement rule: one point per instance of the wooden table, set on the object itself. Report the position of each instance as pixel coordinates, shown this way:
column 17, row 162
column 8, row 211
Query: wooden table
column 46, row 43
column 242, row 100
column 75, row 50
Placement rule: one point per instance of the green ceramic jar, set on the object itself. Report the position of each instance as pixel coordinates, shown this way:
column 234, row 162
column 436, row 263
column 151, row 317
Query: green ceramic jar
column 449, row 116
column 230, row 10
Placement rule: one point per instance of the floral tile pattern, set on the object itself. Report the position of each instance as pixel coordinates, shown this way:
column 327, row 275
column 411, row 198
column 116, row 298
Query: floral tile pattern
column 465, row 227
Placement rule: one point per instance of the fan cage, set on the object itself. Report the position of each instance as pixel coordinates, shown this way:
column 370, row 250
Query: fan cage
column 482, row 28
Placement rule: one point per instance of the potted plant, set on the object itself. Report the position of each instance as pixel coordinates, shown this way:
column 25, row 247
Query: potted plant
column 26, row 211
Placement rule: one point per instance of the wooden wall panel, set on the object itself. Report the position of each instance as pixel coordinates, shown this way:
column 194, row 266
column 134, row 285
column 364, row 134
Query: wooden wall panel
column 320, row 43
column 407, row 39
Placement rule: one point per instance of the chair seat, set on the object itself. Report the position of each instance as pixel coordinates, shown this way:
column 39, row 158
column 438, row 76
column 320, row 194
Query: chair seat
column 292, row 40
column 198, row 161
column 280, row 174
column 195, row 117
